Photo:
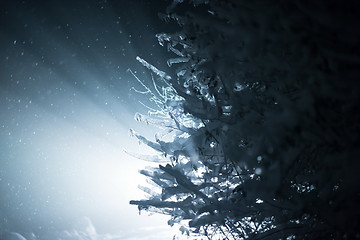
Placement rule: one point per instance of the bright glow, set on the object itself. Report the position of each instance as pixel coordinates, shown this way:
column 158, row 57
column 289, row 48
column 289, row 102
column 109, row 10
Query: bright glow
column 76, row 166
column 65, row 112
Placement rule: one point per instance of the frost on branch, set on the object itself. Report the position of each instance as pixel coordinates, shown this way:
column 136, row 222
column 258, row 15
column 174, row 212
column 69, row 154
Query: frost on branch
column 263, row 113
column 161, row 74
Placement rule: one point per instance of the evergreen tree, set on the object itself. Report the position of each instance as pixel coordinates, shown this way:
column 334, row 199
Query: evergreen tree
column 263, row 111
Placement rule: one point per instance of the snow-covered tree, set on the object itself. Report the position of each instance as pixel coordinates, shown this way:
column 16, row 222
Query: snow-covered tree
column 263, row 111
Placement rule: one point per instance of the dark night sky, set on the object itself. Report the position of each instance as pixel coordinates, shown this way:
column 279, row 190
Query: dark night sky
column 65, row 110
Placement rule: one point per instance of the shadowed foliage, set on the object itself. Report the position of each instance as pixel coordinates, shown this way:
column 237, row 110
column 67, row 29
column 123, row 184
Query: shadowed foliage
column 261, row 104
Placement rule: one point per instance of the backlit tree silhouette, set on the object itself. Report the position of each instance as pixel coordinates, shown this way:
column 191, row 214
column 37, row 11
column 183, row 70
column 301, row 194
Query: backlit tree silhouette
column 259, row 120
